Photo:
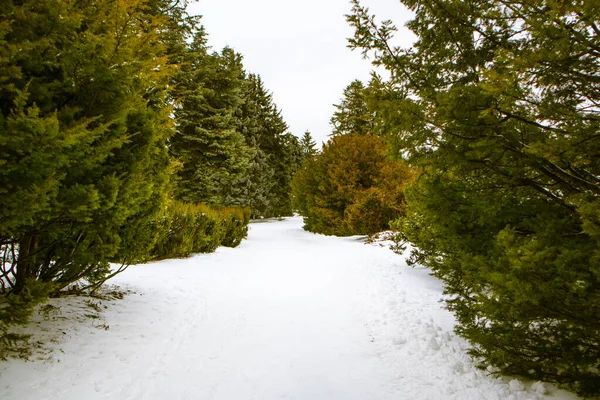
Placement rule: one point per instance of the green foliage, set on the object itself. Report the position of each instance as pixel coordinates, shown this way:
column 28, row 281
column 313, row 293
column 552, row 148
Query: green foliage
column 277, row 153
column 352, row 115
column 350, row 188
column 308, row 146
column 15, row 309
column 184, row 229
column 235, row 225
column 497, row 104
column 231, row 140
column 84, row 122
column 287, row 161
column 214, row 156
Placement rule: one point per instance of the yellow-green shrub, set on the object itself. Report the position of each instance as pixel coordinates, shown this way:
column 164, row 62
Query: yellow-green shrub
column 235, row 224
column 186, row 228
column 351, row 187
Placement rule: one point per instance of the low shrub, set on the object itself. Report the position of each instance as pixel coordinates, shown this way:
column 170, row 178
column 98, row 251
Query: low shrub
column 186, row 228
column 235, row 224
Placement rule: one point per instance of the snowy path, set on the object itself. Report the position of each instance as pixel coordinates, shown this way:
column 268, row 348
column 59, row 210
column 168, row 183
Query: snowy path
column 287, row 315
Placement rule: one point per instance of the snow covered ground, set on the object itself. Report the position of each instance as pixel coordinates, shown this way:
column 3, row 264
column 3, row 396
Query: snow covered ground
column 287, row 315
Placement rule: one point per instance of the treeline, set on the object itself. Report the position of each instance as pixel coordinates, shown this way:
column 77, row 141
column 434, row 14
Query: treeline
column 124, row 139
column 494, row 111
column 230, row 138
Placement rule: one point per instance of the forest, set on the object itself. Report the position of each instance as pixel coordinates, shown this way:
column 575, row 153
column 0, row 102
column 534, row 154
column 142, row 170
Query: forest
column 124, row 138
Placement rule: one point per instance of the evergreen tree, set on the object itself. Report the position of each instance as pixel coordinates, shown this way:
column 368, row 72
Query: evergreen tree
column 497, row 102
column 288, row 161
column 308, row 146
column 275, row 158
column 353, row 114
column 350, row 188
column 260, row 184
column 83, row 129
column 214, row 157
column 252, row 121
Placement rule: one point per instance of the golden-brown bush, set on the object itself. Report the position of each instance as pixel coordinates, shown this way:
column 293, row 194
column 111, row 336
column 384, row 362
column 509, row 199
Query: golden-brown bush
column 351, row 188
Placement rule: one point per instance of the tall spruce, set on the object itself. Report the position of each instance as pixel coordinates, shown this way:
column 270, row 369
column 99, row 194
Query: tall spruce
column 253, row 118
column 288, row 161
column 214, row 156
column 275, row 151
column 308, row 146
column 497, row 103
column 352, row 115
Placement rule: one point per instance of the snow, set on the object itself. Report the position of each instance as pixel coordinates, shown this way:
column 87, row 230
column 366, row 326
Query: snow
column 287, row 315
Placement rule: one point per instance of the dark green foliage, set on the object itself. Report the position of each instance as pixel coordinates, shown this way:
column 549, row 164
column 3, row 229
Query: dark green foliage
column 214, row 157
column 350, row 188
column 260, row 183
column 497, row 103
column 353, row 115
column 231, row 139
column 277, row 153
column 287, row 161
column 260, row 123
column 184, row 229
column 308, row 146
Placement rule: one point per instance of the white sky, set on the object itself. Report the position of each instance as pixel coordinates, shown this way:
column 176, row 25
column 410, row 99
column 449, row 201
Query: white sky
column 298, row 47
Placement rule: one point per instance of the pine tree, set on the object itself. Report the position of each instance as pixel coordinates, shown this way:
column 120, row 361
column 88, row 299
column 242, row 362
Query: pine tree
column 214, row 157
column 287, row 162
column 497, row 103
column 275, row 158
column 353, row 115
column 252, row 119
column 308, row 146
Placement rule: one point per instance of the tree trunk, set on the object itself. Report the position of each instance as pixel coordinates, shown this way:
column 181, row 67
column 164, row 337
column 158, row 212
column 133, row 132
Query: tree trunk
column 28, row 247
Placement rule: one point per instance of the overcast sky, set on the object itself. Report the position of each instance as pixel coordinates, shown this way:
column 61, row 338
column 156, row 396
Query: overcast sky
column 298, row 47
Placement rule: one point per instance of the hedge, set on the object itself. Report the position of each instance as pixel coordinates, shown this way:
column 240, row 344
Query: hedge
column 184, row 229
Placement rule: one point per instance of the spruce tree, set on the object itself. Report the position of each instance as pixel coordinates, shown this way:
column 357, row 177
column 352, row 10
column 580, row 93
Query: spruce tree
column 497, row 103
column 276, row 152
column 252, row 118
column 213, row 155
column 287, row 162
column 308, row 146
column 352, row 115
